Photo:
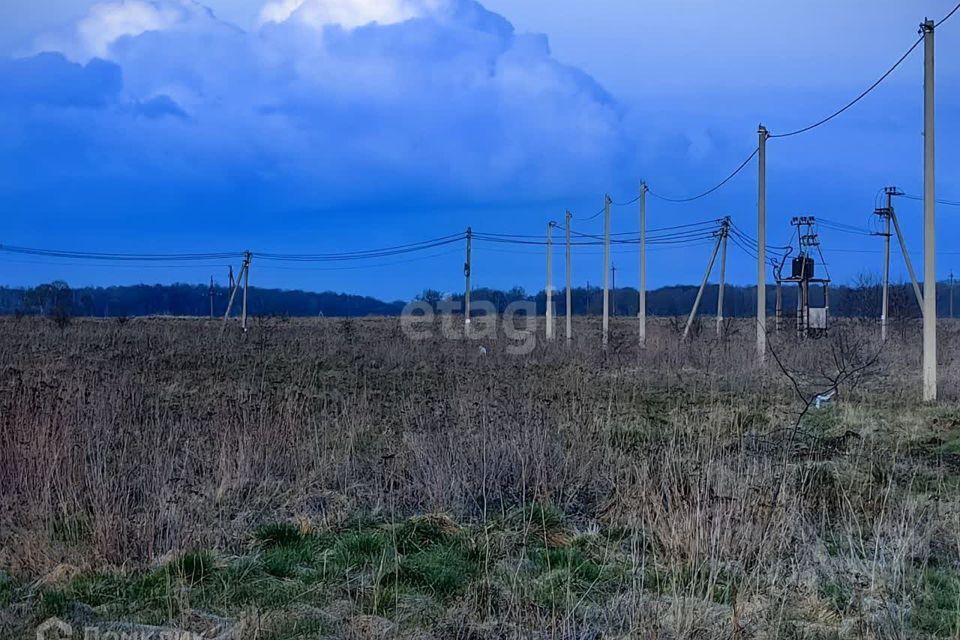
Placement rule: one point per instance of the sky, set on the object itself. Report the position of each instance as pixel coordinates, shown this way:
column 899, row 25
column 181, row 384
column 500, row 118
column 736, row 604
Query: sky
column 321, row 126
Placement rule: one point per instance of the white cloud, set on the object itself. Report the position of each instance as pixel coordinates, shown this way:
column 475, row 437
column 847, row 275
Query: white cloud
column 347, row 13
column 107, row 22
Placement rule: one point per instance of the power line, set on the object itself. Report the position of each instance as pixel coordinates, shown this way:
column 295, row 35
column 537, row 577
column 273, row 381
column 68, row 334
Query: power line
column 949, row 203
column 843, row 228
column 119, row 257
column 378, row 265
column 364, row 255
column 948, row 16
column 855, row 100
column 711, row 190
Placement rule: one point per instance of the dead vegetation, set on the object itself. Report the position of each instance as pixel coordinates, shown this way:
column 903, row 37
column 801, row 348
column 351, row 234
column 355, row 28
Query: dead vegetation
column 281, row 483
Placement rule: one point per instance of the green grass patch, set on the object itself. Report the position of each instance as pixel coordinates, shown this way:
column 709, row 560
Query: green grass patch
column 8, row 590
column 937, row 609
column 572, row 575
column 278, row 534
column 838, row 595
column 194, row 568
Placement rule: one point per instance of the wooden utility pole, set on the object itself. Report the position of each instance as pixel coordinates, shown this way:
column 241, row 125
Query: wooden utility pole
column 762, row 245
column 642, row 312
column 549, row 313
column 466, row 273
column 211, row 293
column 569, row 285
column 606, row 270
column 724, row 232
column 703, row 285
column 929, row 220
column 232, row 281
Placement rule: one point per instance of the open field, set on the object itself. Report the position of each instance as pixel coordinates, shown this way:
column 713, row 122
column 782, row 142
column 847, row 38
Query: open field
column 334, row 478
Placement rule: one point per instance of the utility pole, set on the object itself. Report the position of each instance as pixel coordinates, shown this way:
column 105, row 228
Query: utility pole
column 642, row 312
column 549, row 313
column 466, row 273
column 569, row 285
column 885, row 309
column 247, row 257
column 929, row 220
column 724, row 232
column 613, row 290
column 703, row 285
column 606, row 270
column 893, row 191
column 211, row 297
column 762, row 245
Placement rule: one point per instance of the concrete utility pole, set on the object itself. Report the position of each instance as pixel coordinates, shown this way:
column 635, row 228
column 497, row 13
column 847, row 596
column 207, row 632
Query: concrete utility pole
column 247, row 257
column 549, row 314
column 903, row 249
column 929, row 220
column 762, row 245
column 569, row 285
column 703, row 285
column 724, row 233
column 466, row 273
column 642, row 312
column 606, row 270
column 233, row 292
column 885, row 309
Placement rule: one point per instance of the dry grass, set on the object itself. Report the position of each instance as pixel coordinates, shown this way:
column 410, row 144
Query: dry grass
column 681, row 497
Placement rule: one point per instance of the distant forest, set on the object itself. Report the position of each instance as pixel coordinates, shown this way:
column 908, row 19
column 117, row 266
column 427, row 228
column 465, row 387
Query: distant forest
column 57, row 298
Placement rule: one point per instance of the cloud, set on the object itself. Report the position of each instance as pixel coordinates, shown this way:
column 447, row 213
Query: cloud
column 160, row 106
column 339, row 101
column 348, row 13
column 108, row 22
column 51, row 80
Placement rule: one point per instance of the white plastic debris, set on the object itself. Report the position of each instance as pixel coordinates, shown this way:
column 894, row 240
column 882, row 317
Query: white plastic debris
column 483, row 350
column 824, row 399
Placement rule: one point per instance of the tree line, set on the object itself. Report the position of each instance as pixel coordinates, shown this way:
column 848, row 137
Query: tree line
column 862, row 298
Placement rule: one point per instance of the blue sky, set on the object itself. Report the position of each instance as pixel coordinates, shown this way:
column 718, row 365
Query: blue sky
column 327, row 125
